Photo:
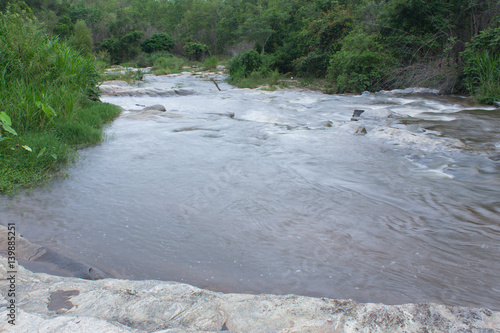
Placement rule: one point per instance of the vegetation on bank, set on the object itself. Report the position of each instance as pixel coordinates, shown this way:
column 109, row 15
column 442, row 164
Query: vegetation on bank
column 48, row 103
column 352, row 45
column 52, row 54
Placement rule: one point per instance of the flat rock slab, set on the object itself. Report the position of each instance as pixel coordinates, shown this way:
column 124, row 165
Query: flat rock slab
column 46, row 259
column 47, row 303
column 110, row 88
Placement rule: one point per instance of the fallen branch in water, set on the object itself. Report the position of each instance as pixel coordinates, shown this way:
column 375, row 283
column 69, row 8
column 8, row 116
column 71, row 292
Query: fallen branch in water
column 212, row 79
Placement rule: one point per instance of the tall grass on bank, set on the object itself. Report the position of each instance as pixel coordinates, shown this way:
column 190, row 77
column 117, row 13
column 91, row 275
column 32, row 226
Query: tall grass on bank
column 51, row 149
column 37, row 70
column 169, row 65
column 47, row 103
column 484, row 78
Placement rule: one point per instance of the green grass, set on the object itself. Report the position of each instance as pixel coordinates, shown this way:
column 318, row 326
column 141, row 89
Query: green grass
column 169, row 65
column 257, row 79
column 129, row 75
column 48, row 103
column 52, row 148
column 40, row 73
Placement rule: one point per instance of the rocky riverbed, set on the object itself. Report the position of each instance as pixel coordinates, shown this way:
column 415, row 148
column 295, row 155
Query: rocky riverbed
column 48, row 303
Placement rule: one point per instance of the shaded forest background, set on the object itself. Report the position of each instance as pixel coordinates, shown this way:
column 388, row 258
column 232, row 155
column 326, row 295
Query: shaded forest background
column 356, row 45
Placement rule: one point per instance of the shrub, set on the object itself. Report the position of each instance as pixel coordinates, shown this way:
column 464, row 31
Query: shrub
column 482, row 66
column 40, row 73
column 210, row 63
column 196, row 51
column 166, row 65
column 158, row 42
column 360, row 64
column 244, row 64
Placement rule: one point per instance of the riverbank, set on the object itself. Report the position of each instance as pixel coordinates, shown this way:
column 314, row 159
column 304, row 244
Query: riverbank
column 47, row 303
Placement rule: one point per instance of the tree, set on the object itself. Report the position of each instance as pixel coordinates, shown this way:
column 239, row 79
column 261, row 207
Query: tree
column 196, row 51
column 63, row 28
column 82, row 38
column 129, row 45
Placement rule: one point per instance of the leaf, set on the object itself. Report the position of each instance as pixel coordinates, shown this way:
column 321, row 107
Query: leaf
column 5, row 119
column 47, row 109
column 9, row 129
column 41, row 152
column 27, row 148
column 54, row 156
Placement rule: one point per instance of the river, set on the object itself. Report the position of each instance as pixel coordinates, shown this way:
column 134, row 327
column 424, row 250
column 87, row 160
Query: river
column 259, row 191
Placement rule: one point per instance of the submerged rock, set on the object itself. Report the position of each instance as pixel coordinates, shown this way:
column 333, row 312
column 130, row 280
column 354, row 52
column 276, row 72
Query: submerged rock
column 48, row 303
column 361, row 130
column 48, row 260
column 156, row 107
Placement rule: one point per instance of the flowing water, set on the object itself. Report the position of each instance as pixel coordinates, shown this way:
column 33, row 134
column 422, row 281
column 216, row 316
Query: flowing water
column 274, row 192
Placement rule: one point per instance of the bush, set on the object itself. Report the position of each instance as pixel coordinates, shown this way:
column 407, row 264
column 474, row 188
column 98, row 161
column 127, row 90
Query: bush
column 158, row 42
column 244, row 64
column 360, row 64
column 46, row 88
column 166, row 65
column 210, row 63
column 196, row 51
column 482, row 66
column 39, row 73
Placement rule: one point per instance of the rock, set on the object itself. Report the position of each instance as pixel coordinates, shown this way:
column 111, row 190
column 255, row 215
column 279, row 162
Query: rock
column 361, row 130
column 48, row 303
column 497, row 104
column 184, row 91
column 156, row 107
column 111, row 89
column 356, row 114
column 115, row 83
column 354, row 128
column 410, row 91
column 48, row 260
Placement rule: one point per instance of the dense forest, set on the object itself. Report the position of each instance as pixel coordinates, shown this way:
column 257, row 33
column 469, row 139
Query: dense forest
column 356, row 45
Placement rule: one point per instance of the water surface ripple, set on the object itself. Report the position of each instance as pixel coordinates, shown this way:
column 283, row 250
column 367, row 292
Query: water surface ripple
column 284, row 197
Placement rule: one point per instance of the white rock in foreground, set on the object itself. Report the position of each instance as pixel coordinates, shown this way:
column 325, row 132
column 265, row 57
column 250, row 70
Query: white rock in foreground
column 48, row 303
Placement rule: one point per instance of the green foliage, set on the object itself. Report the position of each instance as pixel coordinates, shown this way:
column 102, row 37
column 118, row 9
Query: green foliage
column 210, row 63
column 298, row 36
column 130, row 44
column 360, row 64
column 81, row 38
column 148, row 59
column 321, row 38
column 22, row 168
column 85, row 128
column 63, row 28
column 158, row 42
column 46, row 87
column 482, row 66
column 167, row 65
column 38, row 70
column 6, row 123
column 124, row 48
column 49, row 150
column 244, row 64
column 196, row 51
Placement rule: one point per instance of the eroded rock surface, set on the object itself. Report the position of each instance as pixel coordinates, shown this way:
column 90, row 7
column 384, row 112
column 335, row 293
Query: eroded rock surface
column 48, row 303
column 117, row 88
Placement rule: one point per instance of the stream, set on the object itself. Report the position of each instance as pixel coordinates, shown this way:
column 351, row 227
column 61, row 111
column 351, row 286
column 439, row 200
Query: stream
column 281, row 192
